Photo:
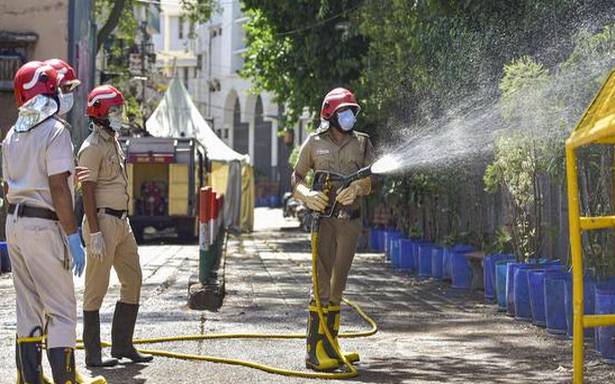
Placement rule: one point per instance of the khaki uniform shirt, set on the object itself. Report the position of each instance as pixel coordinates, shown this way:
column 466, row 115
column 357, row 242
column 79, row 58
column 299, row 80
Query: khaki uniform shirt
column 321, row 153
column 102, row 155
column 29, row 158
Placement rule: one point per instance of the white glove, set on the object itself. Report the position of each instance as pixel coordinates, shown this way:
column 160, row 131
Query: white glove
column 315, row 200
column 96, row 248
column 357, row 188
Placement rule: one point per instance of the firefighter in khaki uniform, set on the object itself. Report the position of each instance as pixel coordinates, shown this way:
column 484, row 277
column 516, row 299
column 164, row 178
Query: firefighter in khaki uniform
column 38, row 168
column 108, row 236
column 338, row 149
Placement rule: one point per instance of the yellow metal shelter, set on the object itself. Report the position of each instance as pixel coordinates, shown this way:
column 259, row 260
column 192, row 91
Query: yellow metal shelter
column 597, row 126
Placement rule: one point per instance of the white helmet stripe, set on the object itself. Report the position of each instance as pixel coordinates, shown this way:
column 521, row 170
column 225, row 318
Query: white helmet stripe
column 102, row 96
column 30, row 84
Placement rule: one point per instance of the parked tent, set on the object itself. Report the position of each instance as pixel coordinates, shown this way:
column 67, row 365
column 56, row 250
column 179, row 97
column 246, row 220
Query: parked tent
column 231, row 172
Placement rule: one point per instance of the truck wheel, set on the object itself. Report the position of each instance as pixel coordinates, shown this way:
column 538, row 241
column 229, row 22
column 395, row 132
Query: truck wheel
column 138, row 232
column 186, row 236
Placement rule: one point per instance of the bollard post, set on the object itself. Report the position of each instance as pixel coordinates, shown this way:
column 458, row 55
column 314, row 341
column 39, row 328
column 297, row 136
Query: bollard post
column 213, row 217
column 208, row 293
column 220, row 223
column 204, row 247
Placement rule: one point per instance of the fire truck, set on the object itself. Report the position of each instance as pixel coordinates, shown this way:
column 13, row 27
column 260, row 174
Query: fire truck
column 164, row 179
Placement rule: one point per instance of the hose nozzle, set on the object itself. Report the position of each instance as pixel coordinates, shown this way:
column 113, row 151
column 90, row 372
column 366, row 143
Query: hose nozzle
column 360, row 174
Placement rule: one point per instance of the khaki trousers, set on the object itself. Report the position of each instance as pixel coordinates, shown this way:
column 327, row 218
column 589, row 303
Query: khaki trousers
column 43, row 280
column 337, row 243
column 121, row 253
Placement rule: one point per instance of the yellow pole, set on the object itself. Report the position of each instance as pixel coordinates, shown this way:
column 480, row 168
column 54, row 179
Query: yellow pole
column 577, row 263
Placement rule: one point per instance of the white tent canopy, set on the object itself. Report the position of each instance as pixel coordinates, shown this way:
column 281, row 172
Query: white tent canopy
column 177, row 116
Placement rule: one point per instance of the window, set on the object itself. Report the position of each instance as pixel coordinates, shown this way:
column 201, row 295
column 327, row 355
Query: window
column 181, row 27
column 186, row 76
column 191, row 33
column 226, row 133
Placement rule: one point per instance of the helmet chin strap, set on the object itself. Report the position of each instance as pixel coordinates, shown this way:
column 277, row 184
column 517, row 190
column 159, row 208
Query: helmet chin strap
column 103, row 123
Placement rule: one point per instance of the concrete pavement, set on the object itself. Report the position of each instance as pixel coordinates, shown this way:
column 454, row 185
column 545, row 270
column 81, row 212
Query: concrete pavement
column 428, row 332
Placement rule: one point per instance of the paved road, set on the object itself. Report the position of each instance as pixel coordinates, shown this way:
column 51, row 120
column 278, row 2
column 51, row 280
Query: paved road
column 428, row 332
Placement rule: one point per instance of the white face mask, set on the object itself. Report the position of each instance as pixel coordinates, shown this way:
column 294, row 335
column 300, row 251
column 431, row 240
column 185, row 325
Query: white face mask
column 66, row 102
column 115, row 123
column 346, row 119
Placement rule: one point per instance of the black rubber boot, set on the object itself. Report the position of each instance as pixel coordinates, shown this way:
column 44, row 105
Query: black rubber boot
column 62, row 362
column 122, row 330
column 28, row 358
column 91, row 341
column 316, row 357
column 333, row 323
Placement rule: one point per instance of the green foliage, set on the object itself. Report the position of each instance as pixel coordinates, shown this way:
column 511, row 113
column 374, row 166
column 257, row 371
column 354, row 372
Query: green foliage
column 522, row 83
column 502, row 242
column 122, row 41
column 299, row 50
column 516, row 171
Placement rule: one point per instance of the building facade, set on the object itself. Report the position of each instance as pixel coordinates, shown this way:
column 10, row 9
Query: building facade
column 208, row 58
column 40, row 30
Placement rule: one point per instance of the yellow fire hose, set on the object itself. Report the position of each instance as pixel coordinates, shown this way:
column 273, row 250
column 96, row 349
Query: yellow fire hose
column 349, row 373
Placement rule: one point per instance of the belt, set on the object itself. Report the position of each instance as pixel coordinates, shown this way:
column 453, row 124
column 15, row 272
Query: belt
column 113, row 212
column 38, row 213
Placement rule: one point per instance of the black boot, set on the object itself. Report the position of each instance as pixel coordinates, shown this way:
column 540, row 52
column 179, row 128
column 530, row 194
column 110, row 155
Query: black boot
column 91, row 341
column 28, row 357
column 122, row 330
column 62, row 362
column 316, row 357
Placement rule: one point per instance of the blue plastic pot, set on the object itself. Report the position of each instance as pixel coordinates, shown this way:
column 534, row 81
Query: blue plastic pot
column 405, row 249
column 437, row 262
column 489, row 274
column 510, row 288
column 373, row 238
column 500, row 283
column 605, row 304
column 395, row 253
column 274, row 201
column 5, row 262
column 381, row 240
column 523, row 310
column 461, row 273
column 589, row 299
column 389, row 237
column 446, row 263
column 536, row 283
column 415, row 254
column 425, row 251
column 488, row 280
column 555, row 308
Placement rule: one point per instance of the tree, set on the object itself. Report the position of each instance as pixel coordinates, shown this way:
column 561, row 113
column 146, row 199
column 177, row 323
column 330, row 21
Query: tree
column 299, row 50
column 120, row 13
column 117, row 9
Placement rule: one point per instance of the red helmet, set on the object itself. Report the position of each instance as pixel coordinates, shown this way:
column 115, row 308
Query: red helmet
column 67, row 76
column 34, row 78
column 336, row 99
column 101, row 99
